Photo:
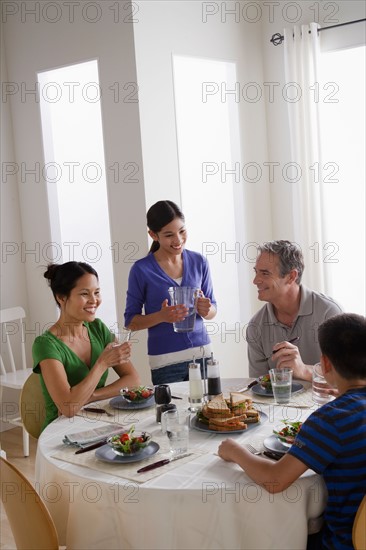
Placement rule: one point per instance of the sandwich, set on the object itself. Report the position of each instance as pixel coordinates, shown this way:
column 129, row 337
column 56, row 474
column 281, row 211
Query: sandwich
column 217, row 408
column 239, row 403
column 227, row 424
column 229, row 414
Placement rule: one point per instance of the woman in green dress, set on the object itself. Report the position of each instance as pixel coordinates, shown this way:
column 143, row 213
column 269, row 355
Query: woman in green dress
column 73, row 356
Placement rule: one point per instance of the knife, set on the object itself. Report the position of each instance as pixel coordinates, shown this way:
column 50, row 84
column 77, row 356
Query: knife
column 96, row 410
column 161, row 463
column 248, row 386
column 274, row 456
column 91, row 447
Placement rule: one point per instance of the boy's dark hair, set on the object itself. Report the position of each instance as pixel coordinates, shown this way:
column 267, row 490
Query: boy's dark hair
column 289, row 255
column 342, row 339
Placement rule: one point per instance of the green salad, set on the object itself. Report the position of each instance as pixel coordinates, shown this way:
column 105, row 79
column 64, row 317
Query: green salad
column 129, row 442
column 139, row 393
column 289, row 431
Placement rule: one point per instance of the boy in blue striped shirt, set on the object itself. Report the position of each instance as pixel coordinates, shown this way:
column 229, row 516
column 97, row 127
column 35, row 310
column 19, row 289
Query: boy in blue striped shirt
column 332, row 441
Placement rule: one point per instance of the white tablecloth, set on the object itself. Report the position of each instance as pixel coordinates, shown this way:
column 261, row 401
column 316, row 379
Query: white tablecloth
column 205, row 503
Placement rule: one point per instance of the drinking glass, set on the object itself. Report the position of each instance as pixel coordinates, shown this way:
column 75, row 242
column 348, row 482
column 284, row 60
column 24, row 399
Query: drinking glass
column 320, row 386
column 281, row 380
column 176, row 423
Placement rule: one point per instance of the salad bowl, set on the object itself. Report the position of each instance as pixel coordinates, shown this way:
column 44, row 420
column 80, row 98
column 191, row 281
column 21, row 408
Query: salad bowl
column 129, row 443
column 138, row 394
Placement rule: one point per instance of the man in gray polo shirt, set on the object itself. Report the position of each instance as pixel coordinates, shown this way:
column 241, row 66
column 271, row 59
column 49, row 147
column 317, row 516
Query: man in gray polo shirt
column 292, row 313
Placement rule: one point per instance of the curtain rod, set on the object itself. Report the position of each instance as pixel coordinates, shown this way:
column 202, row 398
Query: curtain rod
column 278, row 38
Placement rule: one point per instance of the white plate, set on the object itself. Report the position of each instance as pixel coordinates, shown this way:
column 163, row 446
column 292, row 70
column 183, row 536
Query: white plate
column 106, row 454
column 120, row 402
column 272, row 443
column 258, row 390
column 202, row 427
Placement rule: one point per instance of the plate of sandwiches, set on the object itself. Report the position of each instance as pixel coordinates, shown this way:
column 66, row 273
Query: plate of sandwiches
column 233, row 415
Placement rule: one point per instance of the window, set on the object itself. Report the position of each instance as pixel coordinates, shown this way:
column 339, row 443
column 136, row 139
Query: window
column 75, row 173
column 342, row 116
column 209, row 158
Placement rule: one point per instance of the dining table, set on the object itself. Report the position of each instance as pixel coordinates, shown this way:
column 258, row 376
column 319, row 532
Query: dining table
column 197, row 502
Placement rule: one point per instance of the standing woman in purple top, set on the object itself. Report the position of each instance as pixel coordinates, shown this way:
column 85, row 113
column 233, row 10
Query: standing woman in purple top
column 169, row 264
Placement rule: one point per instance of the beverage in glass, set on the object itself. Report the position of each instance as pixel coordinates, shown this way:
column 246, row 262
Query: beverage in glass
column 281, row 380
column 320, row 387
column 176, row 424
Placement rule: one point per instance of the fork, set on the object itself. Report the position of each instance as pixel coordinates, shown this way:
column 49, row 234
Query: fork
column 253, row 450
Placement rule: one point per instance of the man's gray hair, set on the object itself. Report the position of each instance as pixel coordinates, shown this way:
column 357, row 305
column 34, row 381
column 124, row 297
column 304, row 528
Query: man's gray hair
column 289, row 254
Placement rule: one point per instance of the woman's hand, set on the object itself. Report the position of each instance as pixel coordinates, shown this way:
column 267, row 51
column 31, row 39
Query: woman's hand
column 114, row 354
column 173, row 314
column 203, row 306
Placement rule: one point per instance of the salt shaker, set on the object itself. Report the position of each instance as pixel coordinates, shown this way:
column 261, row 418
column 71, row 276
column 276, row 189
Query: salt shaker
column 213, row 377
column 195, row 386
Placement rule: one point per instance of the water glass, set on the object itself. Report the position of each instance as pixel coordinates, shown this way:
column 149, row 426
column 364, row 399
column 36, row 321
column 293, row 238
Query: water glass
column 176, row 425
column 281, row 380
column 320, row 386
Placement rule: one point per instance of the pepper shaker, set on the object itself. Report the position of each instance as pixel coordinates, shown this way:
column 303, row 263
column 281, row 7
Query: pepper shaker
column 213, row 377
column 162, row 398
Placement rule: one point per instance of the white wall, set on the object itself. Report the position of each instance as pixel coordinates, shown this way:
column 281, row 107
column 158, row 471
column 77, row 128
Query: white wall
column 33, row 43
column 191, row 29
column 13, row 280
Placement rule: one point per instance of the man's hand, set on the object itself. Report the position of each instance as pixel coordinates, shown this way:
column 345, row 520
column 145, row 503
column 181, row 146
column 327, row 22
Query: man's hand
column 288, row 356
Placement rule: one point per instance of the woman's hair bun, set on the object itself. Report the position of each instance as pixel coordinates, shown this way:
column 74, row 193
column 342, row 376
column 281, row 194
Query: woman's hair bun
column 50, row 271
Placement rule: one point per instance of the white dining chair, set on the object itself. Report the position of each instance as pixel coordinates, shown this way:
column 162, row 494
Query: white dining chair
column 13, row 366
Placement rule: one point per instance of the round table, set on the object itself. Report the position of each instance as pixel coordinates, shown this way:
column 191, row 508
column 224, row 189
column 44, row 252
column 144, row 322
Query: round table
column 203, row 503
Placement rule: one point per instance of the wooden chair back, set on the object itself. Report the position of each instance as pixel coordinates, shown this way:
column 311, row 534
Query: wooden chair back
column 359, row 527
column 32, row 405
column 29, row 519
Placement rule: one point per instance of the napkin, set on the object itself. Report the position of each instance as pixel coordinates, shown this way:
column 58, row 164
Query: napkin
column 81, row 439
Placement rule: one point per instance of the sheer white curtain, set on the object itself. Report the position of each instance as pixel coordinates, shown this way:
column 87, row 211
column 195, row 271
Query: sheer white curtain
column 301, row 61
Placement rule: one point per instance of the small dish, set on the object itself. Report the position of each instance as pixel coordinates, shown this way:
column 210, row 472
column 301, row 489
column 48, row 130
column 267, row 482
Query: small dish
column 138, row 394
column 106, row 454
column 121, row 403
column 273, row 444
column 259, row 390
column 197, row 424
column 129, row 443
